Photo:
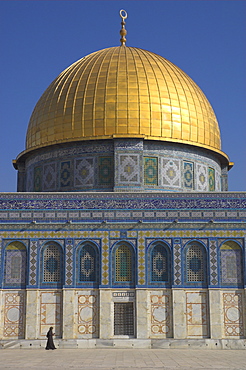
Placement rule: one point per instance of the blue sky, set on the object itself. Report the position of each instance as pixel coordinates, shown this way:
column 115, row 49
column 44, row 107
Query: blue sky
column 39, row 39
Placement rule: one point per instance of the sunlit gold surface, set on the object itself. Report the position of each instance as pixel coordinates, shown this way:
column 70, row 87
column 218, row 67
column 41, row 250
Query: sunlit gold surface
column 123, row 92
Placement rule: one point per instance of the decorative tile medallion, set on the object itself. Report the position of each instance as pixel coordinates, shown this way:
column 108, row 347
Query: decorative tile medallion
column 150, row 171
column 188, row 175
column 69, row 262
column 33, row 262
column 170, row 172
column 49, row 177
column 129, row 169
column 106, row 167
column 201, row 177
column 37, row 179
column 211, row 179
column 65, row 174
column 84, row 172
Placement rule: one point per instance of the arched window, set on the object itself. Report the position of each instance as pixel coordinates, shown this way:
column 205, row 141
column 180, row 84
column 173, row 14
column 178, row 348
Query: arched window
column 15, row 264
column 231, row 263
column 88, row 263
column 52, row 263
column 195, row 263
column 159, row 263
column 124, row 264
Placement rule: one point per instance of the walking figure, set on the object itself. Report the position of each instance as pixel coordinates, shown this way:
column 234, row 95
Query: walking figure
column 50, row 343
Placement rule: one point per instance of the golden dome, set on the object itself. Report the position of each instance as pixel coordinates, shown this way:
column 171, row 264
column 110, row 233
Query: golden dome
column 123, row 92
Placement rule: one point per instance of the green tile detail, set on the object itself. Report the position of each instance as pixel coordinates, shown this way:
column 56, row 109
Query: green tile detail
column 211, row 179
column 150, row 171
column 106, row 170
column 188, row 175
column 37, row 179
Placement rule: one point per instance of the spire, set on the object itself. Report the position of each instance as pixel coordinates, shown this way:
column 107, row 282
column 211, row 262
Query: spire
column 123, row 32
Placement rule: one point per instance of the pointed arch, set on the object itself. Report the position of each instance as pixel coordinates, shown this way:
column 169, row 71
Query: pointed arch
column 52, row 262
column 88, row 263
column 124, row 264
column 231, row 263
column 195, row 263
column 159, row 261
column 15, row 264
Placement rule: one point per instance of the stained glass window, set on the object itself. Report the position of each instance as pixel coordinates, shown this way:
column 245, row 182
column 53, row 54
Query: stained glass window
column 123, row 264
column 195, row 264
column 15, row 264
column 52, row 263
column 159, row 263
column 88, row 264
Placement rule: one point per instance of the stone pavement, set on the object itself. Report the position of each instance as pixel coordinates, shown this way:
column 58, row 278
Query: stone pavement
column 111, row 359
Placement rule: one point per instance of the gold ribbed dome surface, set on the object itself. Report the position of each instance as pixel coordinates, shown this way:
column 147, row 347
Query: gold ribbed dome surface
column 123, row 92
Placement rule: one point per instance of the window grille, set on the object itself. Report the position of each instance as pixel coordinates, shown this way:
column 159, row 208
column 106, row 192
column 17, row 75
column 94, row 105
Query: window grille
column 195, row 264
column 159, row 263
column 52, row 264
column 123, row 264
column 124, row 319
column 88, row 264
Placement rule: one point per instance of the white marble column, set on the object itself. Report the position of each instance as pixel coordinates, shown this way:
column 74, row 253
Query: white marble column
column 106, row 314
column 32, row 314
column 179, row 314
column 68, row 316
column 216, row 313
column 142, row 314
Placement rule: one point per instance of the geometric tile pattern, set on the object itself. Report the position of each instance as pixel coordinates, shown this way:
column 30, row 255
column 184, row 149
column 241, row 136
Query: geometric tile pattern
column 88, row 314
column 65, row 174
column 195, row 264
column 105, row 258
column 141, row 258
column 197, row 314
column 29, row 180
column 217, row 181
column 69, row 262
column 150, row 171
column 161, row 315
column 129, row 169
column 106, row 167
column 233, row 314
column 213, row 262
column 15, row 266
column 49, row 177
column 123, row 264
column 84, row 172
column 231, row 263
column 33, row 262
column 188, row 175
column 159, row 263
column 177, row 262
column 14, row 313
column 201, row 177
column 50, row 312
column 37, row 179
column 170, row 171
column 211, row 179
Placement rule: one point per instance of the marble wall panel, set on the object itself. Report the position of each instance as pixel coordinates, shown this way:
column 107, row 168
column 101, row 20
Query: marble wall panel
column 233, row 314
column 50, row 312
column 197, row 315
column 88, row 312
column 161, row 314
column 14, row 314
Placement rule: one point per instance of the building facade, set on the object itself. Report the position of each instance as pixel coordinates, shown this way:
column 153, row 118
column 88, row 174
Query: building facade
column 122, row 231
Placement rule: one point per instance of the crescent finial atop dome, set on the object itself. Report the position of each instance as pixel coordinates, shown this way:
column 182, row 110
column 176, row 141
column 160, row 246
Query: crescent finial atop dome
column 123, row 32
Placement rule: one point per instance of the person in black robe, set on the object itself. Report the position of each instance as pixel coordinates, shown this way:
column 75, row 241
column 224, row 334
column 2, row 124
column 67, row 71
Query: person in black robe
column 50, row 343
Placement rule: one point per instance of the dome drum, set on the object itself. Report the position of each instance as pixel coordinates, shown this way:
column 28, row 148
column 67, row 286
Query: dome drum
column 122, row 165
